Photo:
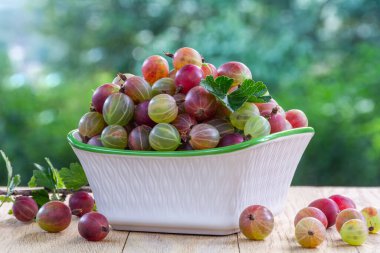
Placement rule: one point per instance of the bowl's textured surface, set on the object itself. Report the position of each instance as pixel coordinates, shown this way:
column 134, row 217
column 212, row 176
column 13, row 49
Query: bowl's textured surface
column 191, row 191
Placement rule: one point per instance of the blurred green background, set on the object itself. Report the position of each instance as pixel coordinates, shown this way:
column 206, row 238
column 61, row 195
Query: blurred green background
column 317, row 55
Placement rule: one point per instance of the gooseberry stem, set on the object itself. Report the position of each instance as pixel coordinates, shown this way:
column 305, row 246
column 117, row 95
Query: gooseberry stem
column 169, row 54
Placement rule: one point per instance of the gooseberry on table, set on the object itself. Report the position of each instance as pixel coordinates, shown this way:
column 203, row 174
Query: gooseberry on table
column 372, row 217
column 81, row 203
column 354, row 232
column 328, row 207
column 311, row 212
column 93, row 226
column 54, row 216
column 24, row 208
column 256, row 222
column 310, row 232
column 346, row 215
column 343, row 202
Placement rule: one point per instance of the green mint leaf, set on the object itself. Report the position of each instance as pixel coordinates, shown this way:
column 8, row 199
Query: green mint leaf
column 41, row 197
column 43, row 180
column 32, row 182
column 258, row 96
column 260, row 89
column 5, row 199
column 74, row 177
column 237, row 98
column 15, row 181
column 219, row 87
column 249, row 91
column 10, row 212
column 262, row 99
column 8, row 165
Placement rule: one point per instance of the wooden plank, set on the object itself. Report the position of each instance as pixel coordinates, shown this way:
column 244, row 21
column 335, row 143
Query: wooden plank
column 167, row 243
column 18, row 237
column 282, row 238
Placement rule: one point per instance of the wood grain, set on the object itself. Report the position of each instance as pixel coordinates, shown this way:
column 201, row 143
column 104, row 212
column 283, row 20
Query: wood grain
column 18, row 237
column 170, row 243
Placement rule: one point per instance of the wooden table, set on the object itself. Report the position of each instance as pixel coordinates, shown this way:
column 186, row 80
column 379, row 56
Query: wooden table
column 16, row 237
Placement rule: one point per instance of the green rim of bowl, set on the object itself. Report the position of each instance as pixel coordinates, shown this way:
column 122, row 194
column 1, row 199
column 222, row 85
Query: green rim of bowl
column 213, row 151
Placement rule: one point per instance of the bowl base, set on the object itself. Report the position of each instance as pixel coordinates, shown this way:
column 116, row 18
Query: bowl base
column 175, row 230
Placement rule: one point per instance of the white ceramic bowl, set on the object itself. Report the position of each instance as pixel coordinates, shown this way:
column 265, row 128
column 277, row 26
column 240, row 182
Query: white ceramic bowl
column 195, row 192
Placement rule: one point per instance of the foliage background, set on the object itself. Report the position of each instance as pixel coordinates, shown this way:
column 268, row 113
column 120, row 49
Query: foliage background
column 320, row 56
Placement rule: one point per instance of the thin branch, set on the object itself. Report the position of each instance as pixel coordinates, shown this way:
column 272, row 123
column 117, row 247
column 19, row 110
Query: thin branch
column 28, row 192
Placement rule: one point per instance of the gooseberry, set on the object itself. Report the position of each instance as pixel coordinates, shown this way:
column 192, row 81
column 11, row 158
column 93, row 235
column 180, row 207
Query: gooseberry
column 54, row 216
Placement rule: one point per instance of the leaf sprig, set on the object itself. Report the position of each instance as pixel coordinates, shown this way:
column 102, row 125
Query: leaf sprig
column 248, row 91
column 52, row 180
column 47, row 177
column 12, row 181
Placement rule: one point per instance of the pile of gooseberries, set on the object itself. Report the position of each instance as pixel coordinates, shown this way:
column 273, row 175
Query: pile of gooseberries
column 167, row 110
column 55, row 216
column 311, row 223
column 353, row 225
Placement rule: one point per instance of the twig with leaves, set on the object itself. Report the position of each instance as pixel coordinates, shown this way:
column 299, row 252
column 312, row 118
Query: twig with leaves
column 47, row 183
column 12, row 181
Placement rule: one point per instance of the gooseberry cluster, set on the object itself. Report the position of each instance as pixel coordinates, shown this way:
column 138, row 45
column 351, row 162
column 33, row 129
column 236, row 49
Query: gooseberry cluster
column 256, row 222
column 167, row 110
column 55, row 216
column 353, row 226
